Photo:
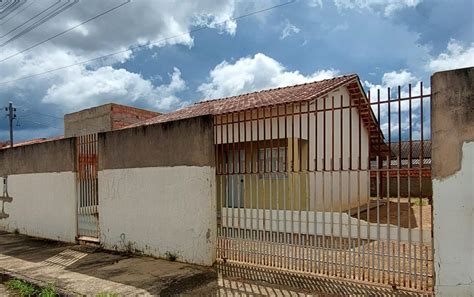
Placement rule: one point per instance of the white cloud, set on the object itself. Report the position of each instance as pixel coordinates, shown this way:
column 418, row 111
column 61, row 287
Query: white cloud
column 157, row 20
column 288, row 30
column 107, row 84
column 392, row 80
column 456, row 56
column 254, row 73
column 95, row 82
column 387, row 6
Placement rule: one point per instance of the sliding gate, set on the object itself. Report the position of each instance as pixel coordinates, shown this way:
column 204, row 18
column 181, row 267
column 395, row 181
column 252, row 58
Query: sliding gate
column 87, row 187
column 339, row 186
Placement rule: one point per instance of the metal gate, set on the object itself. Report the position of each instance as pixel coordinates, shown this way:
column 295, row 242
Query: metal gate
column 87, row 188
column 337, row 186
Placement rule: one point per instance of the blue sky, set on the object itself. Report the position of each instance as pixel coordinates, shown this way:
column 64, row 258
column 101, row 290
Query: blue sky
column 385, row 42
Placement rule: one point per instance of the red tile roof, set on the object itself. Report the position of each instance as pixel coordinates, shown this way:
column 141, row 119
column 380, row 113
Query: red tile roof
column 30, row 141
column 296, row 93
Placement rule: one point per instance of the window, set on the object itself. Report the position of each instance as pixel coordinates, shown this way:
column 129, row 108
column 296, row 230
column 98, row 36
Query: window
column 274, row 159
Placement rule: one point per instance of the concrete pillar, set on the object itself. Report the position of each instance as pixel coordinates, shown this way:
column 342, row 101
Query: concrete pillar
column 453, row 181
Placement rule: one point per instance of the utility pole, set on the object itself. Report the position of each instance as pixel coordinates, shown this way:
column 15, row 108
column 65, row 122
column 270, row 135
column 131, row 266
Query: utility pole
column 11, row 116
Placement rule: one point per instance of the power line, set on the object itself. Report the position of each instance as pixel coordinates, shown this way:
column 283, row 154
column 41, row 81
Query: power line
column 18, row 12
column 41, row 21
column 145, row 45
column 38, row 123
column 11, row 8
column 65, row 31
column 40, row 113
column 32, row 18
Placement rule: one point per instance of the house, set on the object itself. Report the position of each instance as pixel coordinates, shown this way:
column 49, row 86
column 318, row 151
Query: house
column 413, row 178
column 291, row 162
column 281, row 148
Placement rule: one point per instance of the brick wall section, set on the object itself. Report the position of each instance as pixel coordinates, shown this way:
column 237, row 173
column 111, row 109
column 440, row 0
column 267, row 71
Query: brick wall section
column 123, row 116
column 104, row 118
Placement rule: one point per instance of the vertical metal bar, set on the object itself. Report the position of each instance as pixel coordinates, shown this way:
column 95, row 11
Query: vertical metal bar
column 410, row 163
column 317, row 251
column 349, row 198
column 299, row 177
column 371, row 256
column 388, row 171
column 398, row 182
column 379, row 180
column 309, row 251
column 264, row 186
column 333, row 252
column 271, row 181
column 341, row 173
column 325, row 252
column 278, row 192
column 258, row 242
column 244, row 178
column 359, row 169
column 237, row 180
column 251, row 181
column 420, row 197
column 227, row 192
column 292, row 187
column 285, row 193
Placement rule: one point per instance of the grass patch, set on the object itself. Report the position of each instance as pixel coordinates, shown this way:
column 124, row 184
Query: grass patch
column 419, row 201
column 25, row 289
column 48, row 291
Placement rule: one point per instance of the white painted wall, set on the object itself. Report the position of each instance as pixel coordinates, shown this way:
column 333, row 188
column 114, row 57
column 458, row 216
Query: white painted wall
column 454, row 229
column 44, row 205
column 157, row 210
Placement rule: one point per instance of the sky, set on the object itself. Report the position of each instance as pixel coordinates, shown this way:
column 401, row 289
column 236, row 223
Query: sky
column 169, row 54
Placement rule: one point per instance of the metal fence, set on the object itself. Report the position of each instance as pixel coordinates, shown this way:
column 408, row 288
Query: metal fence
column 305, row 186
column 87, row 187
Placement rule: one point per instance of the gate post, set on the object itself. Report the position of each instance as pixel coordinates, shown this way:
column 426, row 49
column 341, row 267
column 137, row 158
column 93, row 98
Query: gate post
column 453, row 179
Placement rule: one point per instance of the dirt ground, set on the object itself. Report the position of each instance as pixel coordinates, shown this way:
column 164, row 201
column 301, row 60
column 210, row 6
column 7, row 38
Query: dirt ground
column 415, row 214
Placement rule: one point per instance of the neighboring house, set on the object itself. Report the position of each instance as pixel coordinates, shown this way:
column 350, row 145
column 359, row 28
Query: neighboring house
column 407, row 156
column 269, row 161
column 102, row 118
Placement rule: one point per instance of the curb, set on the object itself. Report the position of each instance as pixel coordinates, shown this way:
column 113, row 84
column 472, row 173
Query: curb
column 38, row 283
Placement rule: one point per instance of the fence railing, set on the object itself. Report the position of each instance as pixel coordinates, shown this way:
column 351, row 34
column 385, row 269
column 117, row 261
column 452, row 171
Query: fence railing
column 309, row 186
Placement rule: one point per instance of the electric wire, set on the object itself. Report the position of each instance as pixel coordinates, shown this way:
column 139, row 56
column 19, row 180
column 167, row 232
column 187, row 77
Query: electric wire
column 41, row 21
column 65, row 31
column 131, row 48
column 14, row 6
column 18, row 12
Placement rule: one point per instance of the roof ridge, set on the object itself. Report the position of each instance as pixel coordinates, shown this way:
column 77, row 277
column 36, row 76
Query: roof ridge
column 272, row 89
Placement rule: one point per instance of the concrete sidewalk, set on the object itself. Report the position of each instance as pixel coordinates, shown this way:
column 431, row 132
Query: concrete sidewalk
column 82, row 270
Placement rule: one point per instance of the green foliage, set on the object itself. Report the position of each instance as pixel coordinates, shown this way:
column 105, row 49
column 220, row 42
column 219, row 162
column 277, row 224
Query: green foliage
column 25, row 289
column 49, row 291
